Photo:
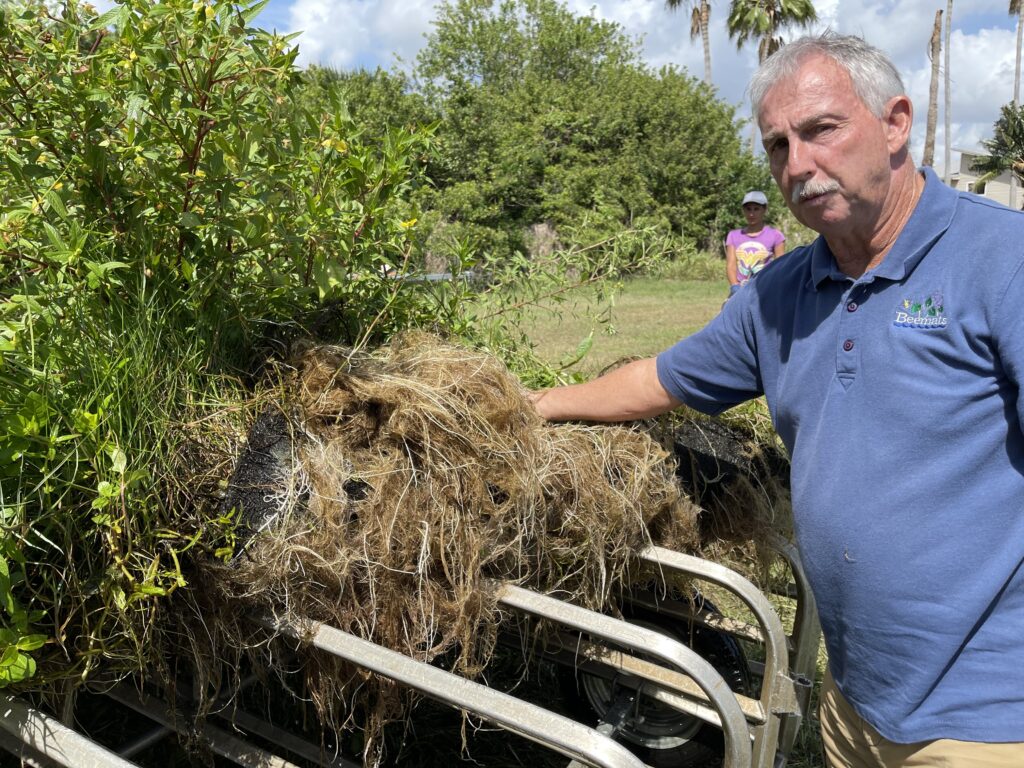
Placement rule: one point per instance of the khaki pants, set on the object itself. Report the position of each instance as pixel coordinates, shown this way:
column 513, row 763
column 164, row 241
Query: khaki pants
column 850, row 742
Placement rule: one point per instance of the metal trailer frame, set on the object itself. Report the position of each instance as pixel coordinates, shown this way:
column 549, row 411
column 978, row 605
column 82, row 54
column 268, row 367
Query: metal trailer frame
column 790, row 661
column 39, row 739
column 758, row 733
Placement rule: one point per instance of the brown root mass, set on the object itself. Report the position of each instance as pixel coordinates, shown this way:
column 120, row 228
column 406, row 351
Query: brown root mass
column 736, row 469
column 419, row 476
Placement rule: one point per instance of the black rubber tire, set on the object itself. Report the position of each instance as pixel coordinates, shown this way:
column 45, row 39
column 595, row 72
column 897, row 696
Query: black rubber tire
column 666, row 738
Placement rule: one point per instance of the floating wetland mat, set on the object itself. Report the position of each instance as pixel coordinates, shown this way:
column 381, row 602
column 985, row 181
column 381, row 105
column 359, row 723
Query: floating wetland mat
column 384, row 493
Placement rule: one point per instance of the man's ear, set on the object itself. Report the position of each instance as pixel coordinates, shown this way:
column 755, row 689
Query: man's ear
column 898, row 118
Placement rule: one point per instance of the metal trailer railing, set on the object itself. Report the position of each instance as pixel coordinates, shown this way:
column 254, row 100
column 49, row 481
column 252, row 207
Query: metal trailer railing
column 39, row 739
column 789, row 665
column 758, row 733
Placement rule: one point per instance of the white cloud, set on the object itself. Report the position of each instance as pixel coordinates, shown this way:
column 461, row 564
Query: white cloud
column 353, row 33
column 981, row 61
column 981, row 80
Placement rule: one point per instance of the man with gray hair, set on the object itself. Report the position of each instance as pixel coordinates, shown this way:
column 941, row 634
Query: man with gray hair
column 891, row 354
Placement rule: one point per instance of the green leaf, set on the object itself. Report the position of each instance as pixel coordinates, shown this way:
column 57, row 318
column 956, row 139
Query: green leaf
column 56, row 242
column 6, row 594
column 135, row 109
column 112, row 18
column 56, row 204
column 149, row 590
column 189, row 220
column 118, row 460
column 585, row 346
column 21, row 668
column 84, row 421
column 31, row 642
column 9, row 656
column 254, row 10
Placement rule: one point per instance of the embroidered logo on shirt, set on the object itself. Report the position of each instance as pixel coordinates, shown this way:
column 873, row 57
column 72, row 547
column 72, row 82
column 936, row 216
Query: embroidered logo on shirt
column 921, row 313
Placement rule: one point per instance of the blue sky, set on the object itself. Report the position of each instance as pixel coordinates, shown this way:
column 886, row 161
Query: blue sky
column 345, row 34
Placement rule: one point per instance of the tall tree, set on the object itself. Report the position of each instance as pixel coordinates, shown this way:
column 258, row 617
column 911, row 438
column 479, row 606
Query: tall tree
column 554, row 118
column 947, row 108
column 700, row 18
column 763, row 20
column 1016, row 9
column 928, row 157
column 1006, row 147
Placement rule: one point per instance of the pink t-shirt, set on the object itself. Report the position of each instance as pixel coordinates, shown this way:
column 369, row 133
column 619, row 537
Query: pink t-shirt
column 753, row 252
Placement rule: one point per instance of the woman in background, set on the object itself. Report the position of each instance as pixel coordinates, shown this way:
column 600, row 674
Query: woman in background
column 750, row 249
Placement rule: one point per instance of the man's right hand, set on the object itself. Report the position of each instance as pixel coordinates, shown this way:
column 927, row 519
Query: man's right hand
column 625, row 394
column 536, row 395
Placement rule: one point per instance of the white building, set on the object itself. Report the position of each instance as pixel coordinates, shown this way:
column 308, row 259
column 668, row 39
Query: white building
column 997, row 189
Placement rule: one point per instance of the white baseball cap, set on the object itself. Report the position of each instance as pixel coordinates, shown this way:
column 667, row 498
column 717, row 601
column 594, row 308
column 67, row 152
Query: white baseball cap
column 755, row 197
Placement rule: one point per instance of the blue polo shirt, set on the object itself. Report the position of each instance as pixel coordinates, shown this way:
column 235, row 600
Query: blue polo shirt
column 897, row 395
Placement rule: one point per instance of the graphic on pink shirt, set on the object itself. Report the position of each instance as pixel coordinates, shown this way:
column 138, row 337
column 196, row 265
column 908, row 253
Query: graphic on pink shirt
column 753, row 252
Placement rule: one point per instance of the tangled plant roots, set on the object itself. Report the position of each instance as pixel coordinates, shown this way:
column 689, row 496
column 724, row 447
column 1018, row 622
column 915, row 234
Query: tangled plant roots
column 735, row 468
column 414, row 478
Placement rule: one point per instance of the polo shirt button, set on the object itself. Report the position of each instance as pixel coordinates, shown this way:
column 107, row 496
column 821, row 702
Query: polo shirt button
column 852, row 306
column 848, row 345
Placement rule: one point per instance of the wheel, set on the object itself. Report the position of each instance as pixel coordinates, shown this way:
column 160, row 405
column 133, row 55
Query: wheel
column 656, row 733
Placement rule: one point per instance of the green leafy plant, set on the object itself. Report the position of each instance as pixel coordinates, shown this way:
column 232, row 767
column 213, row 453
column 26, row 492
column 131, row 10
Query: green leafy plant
column 171, row 211
column 178, row 205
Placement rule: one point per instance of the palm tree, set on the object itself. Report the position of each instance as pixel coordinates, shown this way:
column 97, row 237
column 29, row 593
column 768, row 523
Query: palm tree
column 928, row 156
column 1016, row 9
column 763, row 20
column 700, row 17
column 947, row 108
column 1006, row 148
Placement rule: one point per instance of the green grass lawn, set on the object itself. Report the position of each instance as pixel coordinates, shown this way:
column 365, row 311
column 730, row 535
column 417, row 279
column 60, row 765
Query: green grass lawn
column 649, row 314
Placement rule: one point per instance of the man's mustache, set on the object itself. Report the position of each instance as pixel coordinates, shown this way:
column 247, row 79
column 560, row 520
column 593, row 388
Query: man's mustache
column 805, row 189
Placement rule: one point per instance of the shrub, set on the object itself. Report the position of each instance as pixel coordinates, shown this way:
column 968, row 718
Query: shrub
column 169, row 210
column 179, row 205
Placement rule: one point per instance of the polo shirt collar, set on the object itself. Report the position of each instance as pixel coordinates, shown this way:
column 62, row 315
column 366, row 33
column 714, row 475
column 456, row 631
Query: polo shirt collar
column 931, row 217
column 823, row 264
